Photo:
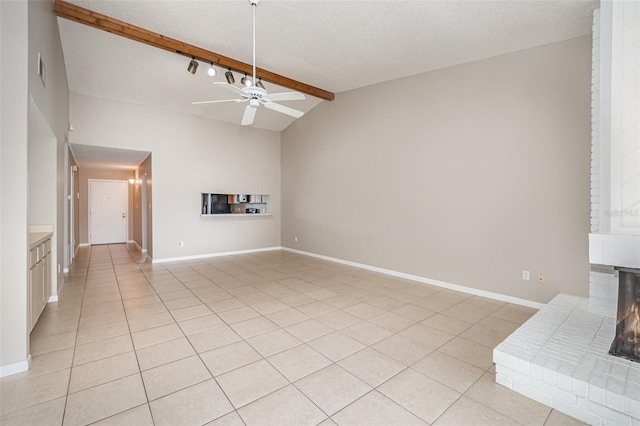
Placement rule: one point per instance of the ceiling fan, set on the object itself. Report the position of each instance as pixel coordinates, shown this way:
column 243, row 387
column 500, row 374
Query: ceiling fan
column 256, row 95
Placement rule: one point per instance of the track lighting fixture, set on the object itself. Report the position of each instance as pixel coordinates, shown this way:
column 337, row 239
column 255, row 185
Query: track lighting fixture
column 193, row 66
column 211, row 71
column 246, row 81
column 229, row 76
column 260, row 85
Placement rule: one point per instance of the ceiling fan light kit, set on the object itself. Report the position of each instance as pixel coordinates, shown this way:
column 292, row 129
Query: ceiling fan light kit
column 254, row 92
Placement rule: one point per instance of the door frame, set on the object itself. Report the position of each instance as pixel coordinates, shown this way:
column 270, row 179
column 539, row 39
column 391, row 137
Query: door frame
column 72, row 196
column 143, row 212
column 89, row 181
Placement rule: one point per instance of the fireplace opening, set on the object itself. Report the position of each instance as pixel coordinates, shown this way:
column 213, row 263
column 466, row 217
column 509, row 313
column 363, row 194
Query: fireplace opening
column 626, row 343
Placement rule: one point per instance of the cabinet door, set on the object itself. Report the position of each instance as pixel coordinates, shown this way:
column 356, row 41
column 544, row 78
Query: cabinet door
column 46, row 281
column 37, row 283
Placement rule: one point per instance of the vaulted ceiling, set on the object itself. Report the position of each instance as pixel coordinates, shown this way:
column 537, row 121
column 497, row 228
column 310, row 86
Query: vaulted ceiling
column 334, row 45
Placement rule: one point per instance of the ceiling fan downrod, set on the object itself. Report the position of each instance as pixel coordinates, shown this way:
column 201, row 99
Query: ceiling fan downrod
column 254, row 5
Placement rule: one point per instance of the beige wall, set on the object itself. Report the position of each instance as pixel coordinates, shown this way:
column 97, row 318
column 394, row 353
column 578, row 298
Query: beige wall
column 191, row 155
column 85, row 174
column 467, row 175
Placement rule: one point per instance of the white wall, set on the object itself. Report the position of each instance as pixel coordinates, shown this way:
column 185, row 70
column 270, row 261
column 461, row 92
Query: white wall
column 52, row 100
column 191, row 155
column 13, row 187
column 29, row 28
column 467, row 175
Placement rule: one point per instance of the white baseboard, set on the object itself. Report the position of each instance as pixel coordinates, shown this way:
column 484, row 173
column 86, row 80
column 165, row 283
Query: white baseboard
column 138, row 245
column 15, row 368
column 54, row 297
column 204, row 256
column 423, row 280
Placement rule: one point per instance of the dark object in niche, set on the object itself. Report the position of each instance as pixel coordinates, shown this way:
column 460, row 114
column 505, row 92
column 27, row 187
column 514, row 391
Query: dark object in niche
column 215, row 204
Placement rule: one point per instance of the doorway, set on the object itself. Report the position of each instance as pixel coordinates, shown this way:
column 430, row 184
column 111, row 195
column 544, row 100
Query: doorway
column 108, row 211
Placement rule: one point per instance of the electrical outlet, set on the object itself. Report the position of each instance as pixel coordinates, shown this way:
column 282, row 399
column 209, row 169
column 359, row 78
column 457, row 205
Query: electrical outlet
column 526, row 275
column 540, row 278
column 181, row 244
column 295, row 239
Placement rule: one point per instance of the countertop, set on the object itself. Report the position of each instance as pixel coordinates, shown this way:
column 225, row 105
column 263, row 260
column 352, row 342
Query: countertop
column 37, row 238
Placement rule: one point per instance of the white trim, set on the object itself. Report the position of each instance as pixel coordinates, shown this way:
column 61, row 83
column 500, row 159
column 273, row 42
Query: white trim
column 137, row 245
column 82, row 245
column 15, row 368
column 204, row 256
column 423, row 280
column 59, row 290
column 54, row 297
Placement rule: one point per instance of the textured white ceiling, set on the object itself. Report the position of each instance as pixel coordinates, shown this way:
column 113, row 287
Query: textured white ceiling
column 334, row 45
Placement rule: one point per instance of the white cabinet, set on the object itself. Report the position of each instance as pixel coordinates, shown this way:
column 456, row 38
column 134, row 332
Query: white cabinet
column 39, row 280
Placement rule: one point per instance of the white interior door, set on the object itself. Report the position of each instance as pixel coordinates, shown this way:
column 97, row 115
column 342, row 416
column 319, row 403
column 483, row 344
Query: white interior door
column 108, row 208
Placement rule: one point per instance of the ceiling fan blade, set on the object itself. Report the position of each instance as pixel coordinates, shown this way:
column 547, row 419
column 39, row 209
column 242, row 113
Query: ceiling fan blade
column 284, row 96
column 284, row 109
column 248, row 116
column 220, row 101
column 230, row 87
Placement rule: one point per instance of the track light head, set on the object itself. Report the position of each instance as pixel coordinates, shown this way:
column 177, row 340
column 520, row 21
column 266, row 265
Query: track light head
column 260, row 85
column 193, row 66
column 211, row 71
column 229, row 76
column 246, row 81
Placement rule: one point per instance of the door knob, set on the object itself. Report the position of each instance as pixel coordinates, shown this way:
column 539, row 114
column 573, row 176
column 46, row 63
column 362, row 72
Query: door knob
column 124, row 215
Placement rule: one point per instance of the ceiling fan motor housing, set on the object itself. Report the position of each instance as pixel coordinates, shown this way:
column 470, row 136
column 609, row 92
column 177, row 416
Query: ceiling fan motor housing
column 254, row 92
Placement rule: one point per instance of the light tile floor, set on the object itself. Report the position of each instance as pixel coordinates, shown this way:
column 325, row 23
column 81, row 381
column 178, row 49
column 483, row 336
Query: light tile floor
column 272, row 338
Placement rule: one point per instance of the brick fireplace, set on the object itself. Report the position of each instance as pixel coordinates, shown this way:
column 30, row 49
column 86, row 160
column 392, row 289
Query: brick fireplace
column 561, row 356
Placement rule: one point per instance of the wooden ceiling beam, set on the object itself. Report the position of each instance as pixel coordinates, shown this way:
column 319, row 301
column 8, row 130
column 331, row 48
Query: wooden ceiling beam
column 93, row 19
